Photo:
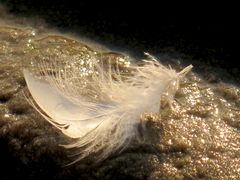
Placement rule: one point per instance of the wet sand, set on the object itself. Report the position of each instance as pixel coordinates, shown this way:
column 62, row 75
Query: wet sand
column 198, row 139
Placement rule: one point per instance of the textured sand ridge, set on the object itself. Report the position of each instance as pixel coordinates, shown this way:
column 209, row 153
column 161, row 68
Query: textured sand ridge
column 199, row 138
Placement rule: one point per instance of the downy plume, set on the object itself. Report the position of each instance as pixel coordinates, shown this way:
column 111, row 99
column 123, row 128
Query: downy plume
column 100, row 105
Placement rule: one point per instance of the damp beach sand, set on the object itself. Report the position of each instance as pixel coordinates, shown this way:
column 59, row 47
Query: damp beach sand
column 198, row 139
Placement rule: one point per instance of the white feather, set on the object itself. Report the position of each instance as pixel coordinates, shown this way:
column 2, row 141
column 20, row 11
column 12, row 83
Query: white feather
column 102, row 110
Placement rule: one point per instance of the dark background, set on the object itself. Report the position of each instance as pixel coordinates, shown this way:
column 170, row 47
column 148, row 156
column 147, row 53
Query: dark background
column 198, row 31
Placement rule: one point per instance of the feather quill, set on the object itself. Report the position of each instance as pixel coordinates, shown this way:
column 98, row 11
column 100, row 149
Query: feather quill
column 101, row 110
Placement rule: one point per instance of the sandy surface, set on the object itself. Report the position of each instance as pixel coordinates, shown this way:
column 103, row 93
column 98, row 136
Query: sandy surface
column 198, row 139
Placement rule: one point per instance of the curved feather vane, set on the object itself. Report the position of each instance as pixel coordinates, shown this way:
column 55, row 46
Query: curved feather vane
column 100, row 107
